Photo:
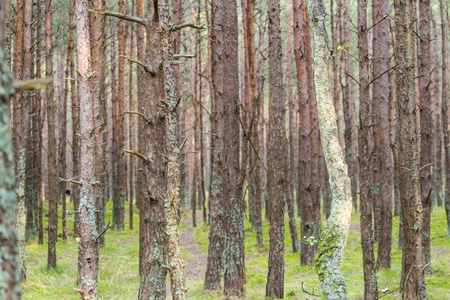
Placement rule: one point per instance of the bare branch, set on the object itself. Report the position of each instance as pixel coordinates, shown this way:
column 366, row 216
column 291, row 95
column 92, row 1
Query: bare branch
column 120, row 16
column 177, row 27
column 70, row 181
column 146, row 68
column 103, row 231
column 184, row 55
column 139, row 114
column 309, row 293
column 140, row 155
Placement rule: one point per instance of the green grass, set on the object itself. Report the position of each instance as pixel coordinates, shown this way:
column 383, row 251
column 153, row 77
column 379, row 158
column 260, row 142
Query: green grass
column 119, row 265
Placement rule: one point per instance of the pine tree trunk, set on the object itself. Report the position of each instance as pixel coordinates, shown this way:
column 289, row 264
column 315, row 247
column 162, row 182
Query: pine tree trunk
column 10, row 269
column 52, row 194
column 214, row 266
column 62, row 143
column 277, row 155
column 370, row 276
column 335, row 229
column 382, row 147
column 426, row 123
column 88, row 250
column 412, row 280
column 234, row 212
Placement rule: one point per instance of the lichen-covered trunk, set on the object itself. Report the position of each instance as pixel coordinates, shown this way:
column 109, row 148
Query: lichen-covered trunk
column 9, row 271
column 370, row 276
column 234, row 211
column 445, row 115
column 214, row 266
column 412, row 280
column 426, row 123
column 52, row 184
column 380, row 108
column 277, row 155
column 87, row 247
column 335, row 230
column 171, row 200
column 119, row 119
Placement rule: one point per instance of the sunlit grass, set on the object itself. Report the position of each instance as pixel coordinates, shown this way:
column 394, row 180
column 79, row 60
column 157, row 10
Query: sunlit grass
column 119, row 264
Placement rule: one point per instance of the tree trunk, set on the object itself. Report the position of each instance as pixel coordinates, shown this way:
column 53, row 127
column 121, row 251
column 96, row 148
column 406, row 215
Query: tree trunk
column 232, row 188
column 10, row 269
column 214, row 266
column 412, row 270
column 153, row 252
column 88, row 250
column 382, row 147
column 426, row 123
column 445, row 115
column 370, row 276
column 277, row 155
column 119, row 183
column 335, row 229
column 62, row 143
column 290, row 158
column 51, row 155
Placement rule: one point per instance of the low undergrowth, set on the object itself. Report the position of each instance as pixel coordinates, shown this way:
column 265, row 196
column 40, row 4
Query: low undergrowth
column 119, row 264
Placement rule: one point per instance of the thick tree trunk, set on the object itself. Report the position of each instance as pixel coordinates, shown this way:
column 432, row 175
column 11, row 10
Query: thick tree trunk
column 234, row 217
column 153, row 252
column 335, row 229
column 380, row 110
column 412, row 280
column 10, row 270
column 52, row 190
column 277, row 155
column 88, row 250
column 370, row 276
column 426, row 123
column 62, row 143
column 214, row 266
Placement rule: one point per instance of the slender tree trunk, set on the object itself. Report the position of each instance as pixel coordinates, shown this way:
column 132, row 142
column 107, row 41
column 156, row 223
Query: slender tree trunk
column 277, row 155
column 131, row 121
column 426, row 123
column 120, row 183
column 445, row 115
column 382, row 147
column 290, row 158
column 88, row 250
column 52, row 194
column 370, row 276
column 62, row 143
column 335, row 230
column 232, row 188
column 37, row 132
column 214, row 266
column 412, row 279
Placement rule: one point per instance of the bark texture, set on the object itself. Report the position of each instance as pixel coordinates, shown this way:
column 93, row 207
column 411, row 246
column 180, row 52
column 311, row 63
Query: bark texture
column 335, row 230
column 87, row 247
column 277, row 155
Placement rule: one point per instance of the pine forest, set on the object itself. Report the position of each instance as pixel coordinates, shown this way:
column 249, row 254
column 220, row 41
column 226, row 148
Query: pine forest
column 224, row 149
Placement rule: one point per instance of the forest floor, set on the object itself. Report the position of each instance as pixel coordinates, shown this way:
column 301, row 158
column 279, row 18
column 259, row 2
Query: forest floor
column 119, row 264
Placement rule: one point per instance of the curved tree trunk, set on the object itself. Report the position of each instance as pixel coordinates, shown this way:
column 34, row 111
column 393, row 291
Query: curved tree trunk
column 335, row 230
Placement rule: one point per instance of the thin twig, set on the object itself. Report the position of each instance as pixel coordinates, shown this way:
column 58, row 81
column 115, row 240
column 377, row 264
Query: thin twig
column 379, row 76
column 309, row 293
column 378, row 22
column 388, row 292
column 103, row 231
column 349, row 75
column 184, row 55
column 120, row 16
column 140, row 155
column 427, row 165
column 139, row 114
